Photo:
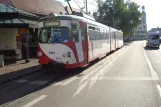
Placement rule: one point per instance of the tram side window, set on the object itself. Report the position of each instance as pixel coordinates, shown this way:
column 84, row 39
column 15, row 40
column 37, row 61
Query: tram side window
column 83, row 34
column 101, row 35
column 108, row 35
column 98, row 35
column 75, row 33
column 91, row 35
column 104, row 35
column 112, row 37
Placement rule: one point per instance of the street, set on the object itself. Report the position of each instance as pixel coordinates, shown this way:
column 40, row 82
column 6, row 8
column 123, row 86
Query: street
column 129, row 77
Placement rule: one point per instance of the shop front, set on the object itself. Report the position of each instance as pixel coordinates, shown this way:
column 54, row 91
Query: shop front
column 18, row 31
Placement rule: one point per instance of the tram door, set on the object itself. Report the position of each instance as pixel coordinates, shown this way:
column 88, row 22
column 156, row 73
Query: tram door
column 83, row 35
column 80, row 41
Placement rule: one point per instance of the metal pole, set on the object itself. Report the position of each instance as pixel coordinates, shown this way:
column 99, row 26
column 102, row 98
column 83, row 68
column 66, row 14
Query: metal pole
column 86, row 8
column 70, row 6
column 84, row 4
column 27, row 49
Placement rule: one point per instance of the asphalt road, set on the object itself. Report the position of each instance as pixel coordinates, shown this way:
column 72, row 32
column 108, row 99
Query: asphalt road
column 130, row 77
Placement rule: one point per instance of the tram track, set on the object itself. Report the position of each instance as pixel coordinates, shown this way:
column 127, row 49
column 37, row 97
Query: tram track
column 4, row 88
column 17, row 77
column 14, row 84
column 30, row 87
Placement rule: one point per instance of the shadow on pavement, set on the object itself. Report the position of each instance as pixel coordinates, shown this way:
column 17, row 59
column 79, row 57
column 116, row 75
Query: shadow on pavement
column 52, row 76
column 16, row 90
column 9, row 62
column 151, row 48
column 140, row 40
column 10, row 76
column 127, row 43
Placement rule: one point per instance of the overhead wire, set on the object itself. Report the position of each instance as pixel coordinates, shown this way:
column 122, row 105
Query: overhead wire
column 84, row 12
column 77, row 3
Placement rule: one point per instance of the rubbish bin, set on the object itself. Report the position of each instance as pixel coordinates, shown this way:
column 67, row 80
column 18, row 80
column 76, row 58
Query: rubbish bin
column 1, row 60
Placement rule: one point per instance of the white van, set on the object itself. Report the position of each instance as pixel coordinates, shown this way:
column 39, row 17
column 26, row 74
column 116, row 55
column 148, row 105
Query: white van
column 153, row 39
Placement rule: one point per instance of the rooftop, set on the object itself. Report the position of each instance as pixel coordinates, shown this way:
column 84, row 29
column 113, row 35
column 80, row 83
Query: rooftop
column 42, row 7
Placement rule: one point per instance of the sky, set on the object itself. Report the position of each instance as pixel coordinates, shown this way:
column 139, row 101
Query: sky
column 152, row 9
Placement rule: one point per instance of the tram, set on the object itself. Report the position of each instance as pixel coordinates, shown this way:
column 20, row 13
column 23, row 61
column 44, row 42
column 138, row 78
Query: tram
column 72, row 41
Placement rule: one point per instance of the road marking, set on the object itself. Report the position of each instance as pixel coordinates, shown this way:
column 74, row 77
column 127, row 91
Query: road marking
column 125, row 78
column 57, row 83
column 69, row 81
column 35, row 101
column 21, row 81
column 159, row 89
column 101, row 73
column 152, row 71
column 89, row 72
column 39, row 82
column 61, row 83
column 88, row 75
column 80, row 88
column 158, row 55
column 10, row 104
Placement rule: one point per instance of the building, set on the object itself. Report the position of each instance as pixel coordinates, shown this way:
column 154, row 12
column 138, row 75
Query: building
column 39, row 7
column 14, row 23
column 141, row 31
column 19, row 18
column 155, row 29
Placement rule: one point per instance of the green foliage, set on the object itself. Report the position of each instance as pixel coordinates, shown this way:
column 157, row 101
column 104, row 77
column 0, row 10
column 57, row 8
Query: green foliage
column 119, row 14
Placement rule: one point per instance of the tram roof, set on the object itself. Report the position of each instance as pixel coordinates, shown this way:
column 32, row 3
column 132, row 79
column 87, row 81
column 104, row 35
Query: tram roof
column 74, row 17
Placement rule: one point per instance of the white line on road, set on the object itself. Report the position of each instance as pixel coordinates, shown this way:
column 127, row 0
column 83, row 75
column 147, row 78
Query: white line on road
column 69, row 81
column 152, row 71
column 57, row 83
column 21, row 81
column 159, row 89
column 80, row 88
column 39, row 82
column 35, row 101
column 125, row 79
column 61, row 83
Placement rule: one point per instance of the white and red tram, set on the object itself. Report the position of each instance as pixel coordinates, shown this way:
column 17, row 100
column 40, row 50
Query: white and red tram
column 74, row 41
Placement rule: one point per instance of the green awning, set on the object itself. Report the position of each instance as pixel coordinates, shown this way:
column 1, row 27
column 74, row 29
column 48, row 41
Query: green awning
column 13, row 17
column 8, row 9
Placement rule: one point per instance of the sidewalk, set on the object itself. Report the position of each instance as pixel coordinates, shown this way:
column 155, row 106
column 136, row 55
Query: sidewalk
column 17, row 70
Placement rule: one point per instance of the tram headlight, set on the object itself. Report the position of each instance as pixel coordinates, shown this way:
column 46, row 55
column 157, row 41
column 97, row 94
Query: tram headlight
column 39, row 54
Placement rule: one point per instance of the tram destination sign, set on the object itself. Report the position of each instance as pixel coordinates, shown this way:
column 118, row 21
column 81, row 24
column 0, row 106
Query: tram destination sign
column 55, row 23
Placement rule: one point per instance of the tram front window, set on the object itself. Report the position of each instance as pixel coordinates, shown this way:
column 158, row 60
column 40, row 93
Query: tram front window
column 54, row 35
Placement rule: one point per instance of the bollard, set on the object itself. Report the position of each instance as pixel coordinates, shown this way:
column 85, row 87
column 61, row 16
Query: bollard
column 1, row 60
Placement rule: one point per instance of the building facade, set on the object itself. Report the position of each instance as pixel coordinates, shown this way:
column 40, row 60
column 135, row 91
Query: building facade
column 141, row 31
column 19, row 21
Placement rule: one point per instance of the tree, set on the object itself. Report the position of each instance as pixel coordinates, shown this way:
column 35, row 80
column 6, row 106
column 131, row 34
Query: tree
column 122, row 15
